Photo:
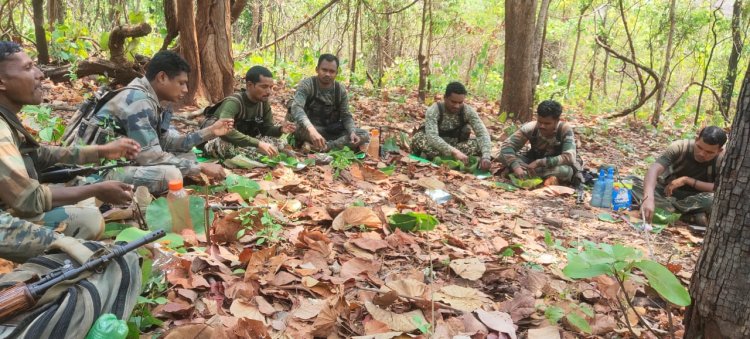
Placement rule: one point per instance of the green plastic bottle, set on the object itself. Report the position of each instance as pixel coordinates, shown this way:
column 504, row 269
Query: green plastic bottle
column 108, row 327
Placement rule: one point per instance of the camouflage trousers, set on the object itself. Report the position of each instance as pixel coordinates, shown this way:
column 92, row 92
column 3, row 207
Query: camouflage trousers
column 420, row 147
column 155, row 178
column 682, row 201
column 221, row 149
column 564, row 173
column 78, row 221
column 28, row 239
column 336, row 140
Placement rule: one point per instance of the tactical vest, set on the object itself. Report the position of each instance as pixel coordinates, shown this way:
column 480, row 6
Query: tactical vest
column 28, row 147
column 460, row 132
column 319, row 112
column 678, row 166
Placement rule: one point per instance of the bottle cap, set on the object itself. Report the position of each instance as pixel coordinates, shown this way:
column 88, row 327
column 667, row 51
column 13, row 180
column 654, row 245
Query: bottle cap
column 374, row 132
column 175, row 185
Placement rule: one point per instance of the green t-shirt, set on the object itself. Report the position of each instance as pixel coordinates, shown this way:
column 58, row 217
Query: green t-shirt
column 679, row 160
column 255, row 120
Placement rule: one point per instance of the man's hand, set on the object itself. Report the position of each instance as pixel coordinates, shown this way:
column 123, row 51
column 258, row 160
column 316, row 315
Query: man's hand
column 460, row 156
column 647, row 208
column 354, row 138
column 317, row 140
column 538, row 163
column 213, row 171
column 675, row 184
column 520, row 172
column 288, row 127
column 114, row 192
column 267, row 149
column 222, row 126
column 484, row 164
column 123, row 147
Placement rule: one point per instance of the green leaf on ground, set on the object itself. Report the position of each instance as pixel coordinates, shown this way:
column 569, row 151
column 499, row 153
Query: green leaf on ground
column 112, row 229
column 526, row 183
column 578, row 322
column 390, row 145
column 245, row 187
column 413, row 221
column 608, row 218
column 388, row 169
column 664, row 282
column 134, row 233
column 663, row 217
column 506, row 186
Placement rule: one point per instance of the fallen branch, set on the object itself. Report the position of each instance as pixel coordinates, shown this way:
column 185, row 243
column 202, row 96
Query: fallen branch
column 117, row 40
column 296, row 28
column 650, row 72
column 121, row 73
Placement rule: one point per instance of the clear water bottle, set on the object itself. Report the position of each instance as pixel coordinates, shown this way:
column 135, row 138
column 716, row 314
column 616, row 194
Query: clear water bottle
column 608, row 188
column 598, row 192
column 108, row 327
column 178, row 202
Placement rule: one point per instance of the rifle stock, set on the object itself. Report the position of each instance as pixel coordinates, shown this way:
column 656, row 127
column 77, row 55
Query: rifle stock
column 22, row 297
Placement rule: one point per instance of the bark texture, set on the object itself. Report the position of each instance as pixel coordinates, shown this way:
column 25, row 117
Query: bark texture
column 516, row 98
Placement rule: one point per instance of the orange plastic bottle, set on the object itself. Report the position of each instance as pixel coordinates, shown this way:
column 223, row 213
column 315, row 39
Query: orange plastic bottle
column 178, row 202
column 373, row 149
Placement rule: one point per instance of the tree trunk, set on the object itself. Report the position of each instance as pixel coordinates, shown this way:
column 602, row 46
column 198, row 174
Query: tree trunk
column 256, row 27
column 422, row 57
column 189, row 50
column 665, row 71
column 540, row 30
column 575, row 48
column 170, row 20
column 728, row 87
column 516, row 98
column 55, row 13
column 708, row 63
column 236, row 9
column 719, row 286
column 214, row 32
column 39, row 33
column 353, row 66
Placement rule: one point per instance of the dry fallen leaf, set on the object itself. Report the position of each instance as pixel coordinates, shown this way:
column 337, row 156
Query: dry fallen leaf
column 463, row 298
column 470, row 268
column 498, row 321
column 405, row 322
column 355, row 216
column 309, row 308
column 243, row 309
column 549, row 332
column 408, row 287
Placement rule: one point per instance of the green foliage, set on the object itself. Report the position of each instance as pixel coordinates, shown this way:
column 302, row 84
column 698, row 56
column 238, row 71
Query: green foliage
column 412, row 221
column 288, row 160
column 70, row 41
column 154, row 288
column 505, row 186
column 172, row 240
column 555, row 313
column 619, row 261
column 245, row 187
column 270, row 230
column 664, row 217
column 526, row 183
column 342, row 159
column 51, row 128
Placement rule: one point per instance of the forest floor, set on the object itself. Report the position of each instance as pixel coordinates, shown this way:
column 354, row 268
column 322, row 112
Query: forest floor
column 333, row 265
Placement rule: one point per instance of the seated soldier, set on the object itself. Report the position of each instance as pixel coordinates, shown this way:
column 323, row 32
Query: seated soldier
column 136, row 112
column 252, row 117
column 72, row 307
column 320, row 108
column 683, row 177
column 552, row 152
column 447, row 129
column 21, row 158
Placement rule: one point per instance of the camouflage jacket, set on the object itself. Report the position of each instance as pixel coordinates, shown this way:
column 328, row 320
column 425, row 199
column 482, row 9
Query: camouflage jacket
column 20, row 191
column 434, row 126
column 251, row 120
column 560, row 149
column 136, row 113
column 322, row 108
column 21, row 239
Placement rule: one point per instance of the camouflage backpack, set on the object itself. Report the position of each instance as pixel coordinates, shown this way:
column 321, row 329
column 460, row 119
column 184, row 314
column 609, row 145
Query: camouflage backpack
column 84, row 126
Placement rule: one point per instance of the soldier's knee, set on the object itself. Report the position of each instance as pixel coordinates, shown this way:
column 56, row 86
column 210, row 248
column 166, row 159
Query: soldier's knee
column 363, row 135
column 84, row 223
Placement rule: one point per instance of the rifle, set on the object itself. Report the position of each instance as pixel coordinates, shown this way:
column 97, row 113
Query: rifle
column 62, row 173
column 22, row 297
column 579, row 194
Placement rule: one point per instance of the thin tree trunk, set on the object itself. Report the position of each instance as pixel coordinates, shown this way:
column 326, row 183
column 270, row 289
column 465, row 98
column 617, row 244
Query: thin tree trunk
column 170, row 20
column 708, row 63
column 353, row 66
column 55, row 13
column 539, row 33
column 719, row 287
column 734, row 57
column 421, row 57
column 660, row 93
column 516, row 99
column 39, row 32
column 575, row 49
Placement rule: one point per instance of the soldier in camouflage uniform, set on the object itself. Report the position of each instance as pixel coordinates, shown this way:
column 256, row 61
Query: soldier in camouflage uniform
column 21, row 157
column 136, row 112
column 447, row 129
column 321, row 110
column 682, row 178
column 552, row 152
column 255, row 133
